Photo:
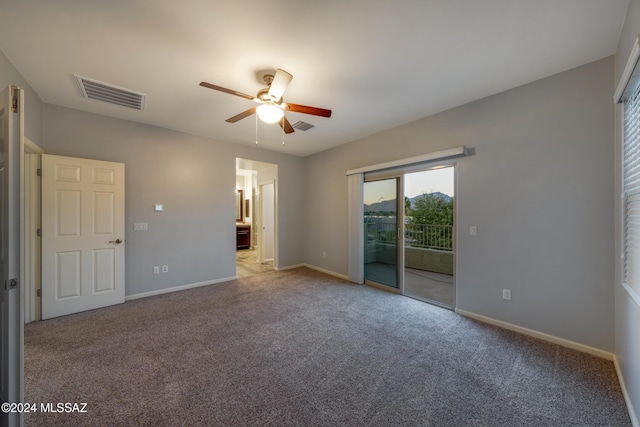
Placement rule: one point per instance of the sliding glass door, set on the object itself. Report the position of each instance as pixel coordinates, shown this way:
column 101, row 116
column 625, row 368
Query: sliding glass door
column 381, row 232
column 409, row 233
column 429, row 236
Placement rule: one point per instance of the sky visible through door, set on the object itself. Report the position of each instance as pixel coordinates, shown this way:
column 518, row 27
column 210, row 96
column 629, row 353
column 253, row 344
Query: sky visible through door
column 430, row 181
column 415, row 184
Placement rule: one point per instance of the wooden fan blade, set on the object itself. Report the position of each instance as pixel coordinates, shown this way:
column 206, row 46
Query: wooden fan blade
column 242, row 115
column 285, row 125
column 297, row 108
column 279, row 84
column 225, row 90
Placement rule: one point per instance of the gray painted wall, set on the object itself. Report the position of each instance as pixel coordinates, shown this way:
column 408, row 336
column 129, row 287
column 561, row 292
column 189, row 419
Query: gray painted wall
column 539, row 190
column 194, row 178
column 33, row 105
column 627, row 332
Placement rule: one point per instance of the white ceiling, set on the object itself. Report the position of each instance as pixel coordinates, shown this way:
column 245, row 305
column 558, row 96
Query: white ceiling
column 376, row 63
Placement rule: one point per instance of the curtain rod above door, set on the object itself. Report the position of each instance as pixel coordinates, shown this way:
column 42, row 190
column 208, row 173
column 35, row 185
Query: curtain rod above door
column 429, row 157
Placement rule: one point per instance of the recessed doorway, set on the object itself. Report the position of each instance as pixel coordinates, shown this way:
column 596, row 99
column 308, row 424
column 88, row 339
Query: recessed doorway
column 256, row 234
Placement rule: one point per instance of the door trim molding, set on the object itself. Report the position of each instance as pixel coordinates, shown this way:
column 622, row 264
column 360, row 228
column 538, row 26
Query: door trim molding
column 32, row 222
column 261, row 257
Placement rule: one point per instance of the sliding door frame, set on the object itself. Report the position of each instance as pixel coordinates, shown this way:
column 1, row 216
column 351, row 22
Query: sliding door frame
column 399, row 174
column 355, row 178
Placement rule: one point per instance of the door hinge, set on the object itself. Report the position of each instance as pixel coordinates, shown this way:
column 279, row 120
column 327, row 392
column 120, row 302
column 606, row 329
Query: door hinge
column 39, row 292
column 10, row 284
column 39, row 232
column 14, row 100
column 39, row 172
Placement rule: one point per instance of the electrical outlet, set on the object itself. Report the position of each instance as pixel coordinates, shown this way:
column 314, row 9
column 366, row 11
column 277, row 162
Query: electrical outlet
column 156, row 269
column 473, row 231
column 324, row 254
column 165, row 268
column 506, row 294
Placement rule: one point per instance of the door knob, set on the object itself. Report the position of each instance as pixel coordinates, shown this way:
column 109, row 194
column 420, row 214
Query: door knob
column 117, row 241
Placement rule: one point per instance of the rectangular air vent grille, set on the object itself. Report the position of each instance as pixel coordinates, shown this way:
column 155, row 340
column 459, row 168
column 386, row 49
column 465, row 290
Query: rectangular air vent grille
column 105, row 92
column 303, row 126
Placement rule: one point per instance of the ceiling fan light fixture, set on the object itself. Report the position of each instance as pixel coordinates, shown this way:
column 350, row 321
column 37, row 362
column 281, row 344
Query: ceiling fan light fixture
column 269, row 112
column 270, row 104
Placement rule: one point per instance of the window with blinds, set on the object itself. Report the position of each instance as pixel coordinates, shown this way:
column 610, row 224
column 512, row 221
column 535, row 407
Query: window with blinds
column 632, row 190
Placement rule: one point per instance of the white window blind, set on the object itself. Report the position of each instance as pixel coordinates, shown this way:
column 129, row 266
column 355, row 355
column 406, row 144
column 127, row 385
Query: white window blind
column 632, row 190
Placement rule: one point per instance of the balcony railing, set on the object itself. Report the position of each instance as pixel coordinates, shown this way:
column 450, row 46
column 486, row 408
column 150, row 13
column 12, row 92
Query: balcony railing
column 429, row 236
column 426, row 236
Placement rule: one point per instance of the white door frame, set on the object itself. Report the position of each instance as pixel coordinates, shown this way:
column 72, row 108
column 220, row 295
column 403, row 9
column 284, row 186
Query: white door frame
column 261, row 245
column 31, row 243
column 12, row 384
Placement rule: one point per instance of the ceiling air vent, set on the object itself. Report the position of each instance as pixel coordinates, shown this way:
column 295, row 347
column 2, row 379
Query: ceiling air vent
column 105, row 92
column 303, row 126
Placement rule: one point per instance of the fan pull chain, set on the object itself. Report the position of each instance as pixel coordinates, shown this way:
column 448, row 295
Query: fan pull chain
column 282, row 131
column 256, row 128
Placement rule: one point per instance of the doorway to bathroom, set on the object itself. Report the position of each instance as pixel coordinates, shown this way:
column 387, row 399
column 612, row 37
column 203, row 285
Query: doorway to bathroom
column 256, row 217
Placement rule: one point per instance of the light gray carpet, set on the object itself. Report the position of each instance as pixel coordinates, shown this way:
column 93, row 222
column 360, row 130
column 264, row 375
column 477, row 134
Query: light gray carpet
column 299, row 347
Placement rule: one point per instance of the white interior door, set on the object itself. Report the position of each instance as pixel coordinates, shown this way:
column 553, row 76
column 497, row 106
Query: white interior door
column 11, row 373
column 268, row 221
column 82, row 235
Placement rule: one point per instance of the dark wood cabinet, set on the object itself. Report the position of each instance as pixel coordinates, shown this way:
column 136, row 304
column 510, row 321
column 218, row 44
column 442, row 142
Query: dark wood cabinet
column 243, row 236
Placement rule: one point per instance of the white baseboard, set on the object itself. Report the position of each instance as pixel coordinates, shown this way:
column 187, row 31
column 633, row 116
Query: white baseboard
column 329, row 272
column 177, row 288
column 536, row 334
column 627, row 399
column 289, row 267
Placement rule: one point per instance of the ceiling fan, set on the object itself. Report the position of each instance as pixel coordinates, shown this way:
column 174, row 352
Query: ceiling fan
column 272, row 106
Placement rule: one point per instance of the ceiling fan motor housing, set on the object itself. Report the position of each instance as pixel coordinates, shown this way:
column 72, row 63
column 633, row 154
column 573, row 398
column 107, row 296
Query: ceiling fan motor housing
column 263, row 95
column 268, row 79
